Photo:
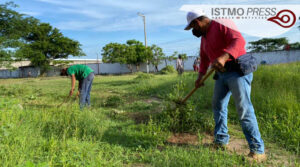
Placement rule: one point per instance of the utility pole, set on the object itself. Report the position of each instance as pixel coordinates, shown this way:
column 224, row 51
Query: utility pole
column 98, row 64
column 144, row 20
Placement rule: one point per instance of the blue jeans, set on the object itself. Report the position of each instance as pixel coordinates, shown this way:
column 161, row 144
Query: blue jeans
column 240, row 87
column 85, row 89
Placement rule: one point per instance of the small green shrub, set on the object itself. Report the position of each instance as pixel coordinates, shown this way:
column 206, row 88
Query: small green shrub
column 178, row 91
column 168, row 70
column 184, row 118
column 113, row 101
column 143, row 76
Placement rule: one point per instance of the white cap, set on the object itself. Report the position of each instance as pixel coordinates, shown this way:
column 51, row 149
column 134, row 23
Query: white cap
column 192, row 15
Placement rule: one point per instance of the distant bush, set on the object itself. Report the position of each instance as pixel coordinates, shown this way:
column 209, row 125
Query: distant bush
column 168, row 70
column 143, row 76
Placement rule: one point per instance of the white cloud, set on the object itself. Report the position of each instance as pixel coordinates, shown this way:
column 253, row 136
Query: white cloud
column 70, row 3
column 75, row 25
column 117, row 14
column 85, row 12
column 104, row 26
column 99, row 17
column 120, row 15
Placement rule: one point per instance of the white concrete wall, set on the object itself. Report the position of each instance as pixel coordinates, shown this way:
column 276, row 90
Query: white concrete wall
column 103, row 68
column 277, row 56
column 269, row 57
column 116, row 68
column 9, row 74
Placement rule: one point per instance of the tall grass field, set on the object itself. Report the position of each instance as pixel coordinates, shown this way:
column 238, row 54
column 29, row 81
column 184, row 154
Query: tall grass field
column 132, row 118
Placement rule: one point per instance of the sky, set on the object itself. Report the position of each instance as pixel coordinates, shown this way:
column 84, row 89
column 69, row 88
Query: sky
column 95, row 23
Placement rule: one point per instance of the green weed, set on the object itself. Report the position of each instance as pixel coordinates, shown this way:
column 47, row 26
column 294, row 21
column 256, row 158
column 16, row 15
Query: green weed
column 168, row 70
column 113, row 101
column 143, row 76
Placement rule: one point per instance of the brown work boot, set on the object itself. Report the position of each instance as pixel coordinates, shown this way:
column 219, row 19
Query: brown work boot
column 257, row 157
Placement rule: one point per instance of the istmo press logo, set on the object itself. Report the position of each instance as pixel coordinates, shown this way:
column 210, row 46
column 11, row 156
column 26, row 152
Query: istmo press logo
column 255, row 20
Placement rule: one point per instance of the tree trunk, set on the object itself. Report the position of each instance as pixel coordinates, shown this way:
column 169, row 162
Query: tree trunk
column 129, row 66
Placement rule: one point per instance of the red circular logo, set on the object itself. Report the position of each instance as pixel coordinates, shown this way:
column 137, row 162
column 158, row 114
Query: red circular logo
column 284, row 18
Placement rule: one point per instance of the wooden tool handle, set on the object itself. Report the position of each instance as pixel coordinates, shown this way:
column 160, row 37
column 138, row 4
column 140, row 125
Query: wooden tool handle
column 202, row 80
column 65, row 100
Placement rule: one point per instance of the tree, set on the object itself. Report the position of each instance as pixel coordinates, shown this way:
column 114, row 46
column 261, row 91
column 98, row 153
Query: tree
column 118, row 53
column 11, row 29
column 141, row 52
column 45, row 43
column 131, row 53
column 183, row 56
column 114, row 53
column 170, row 58
column 295, row 45
column 137, row 53
column 268, row 44
column 27, row 38
column 158, row 55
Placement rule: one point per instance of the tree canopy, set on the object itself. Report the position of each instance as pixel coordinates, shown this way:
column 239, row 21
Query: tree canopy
column 23, row 37
column 11, row 30
column 268, row 44
column 158, row 56
column 272, row 44
column 295, row 45
column 131, row 53
column 45, row 43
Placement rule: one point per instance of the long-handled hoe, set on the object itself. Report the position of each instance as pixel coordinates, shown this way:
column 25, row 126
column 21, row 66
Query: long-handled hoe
column 182, row 102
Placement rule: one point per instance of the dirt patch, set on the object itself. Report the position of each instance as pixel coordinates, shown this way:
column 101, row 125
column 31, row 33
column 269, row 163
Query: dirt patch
column 275, row 155
column 153, row 99
column 183, row 139
column 236, row 145
column 239, row 146
column 207, row 139
column 137, row 165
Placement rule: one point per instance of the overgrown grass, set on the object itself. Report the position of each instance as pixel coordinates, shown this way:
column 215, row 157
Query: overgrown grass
column 113, row 101
column 275, row 96
column 34, row 131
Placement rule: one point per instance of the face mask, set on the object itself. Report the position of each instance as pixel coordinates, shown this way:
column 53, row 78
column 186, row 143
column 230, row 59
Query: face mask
column 197, row 33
